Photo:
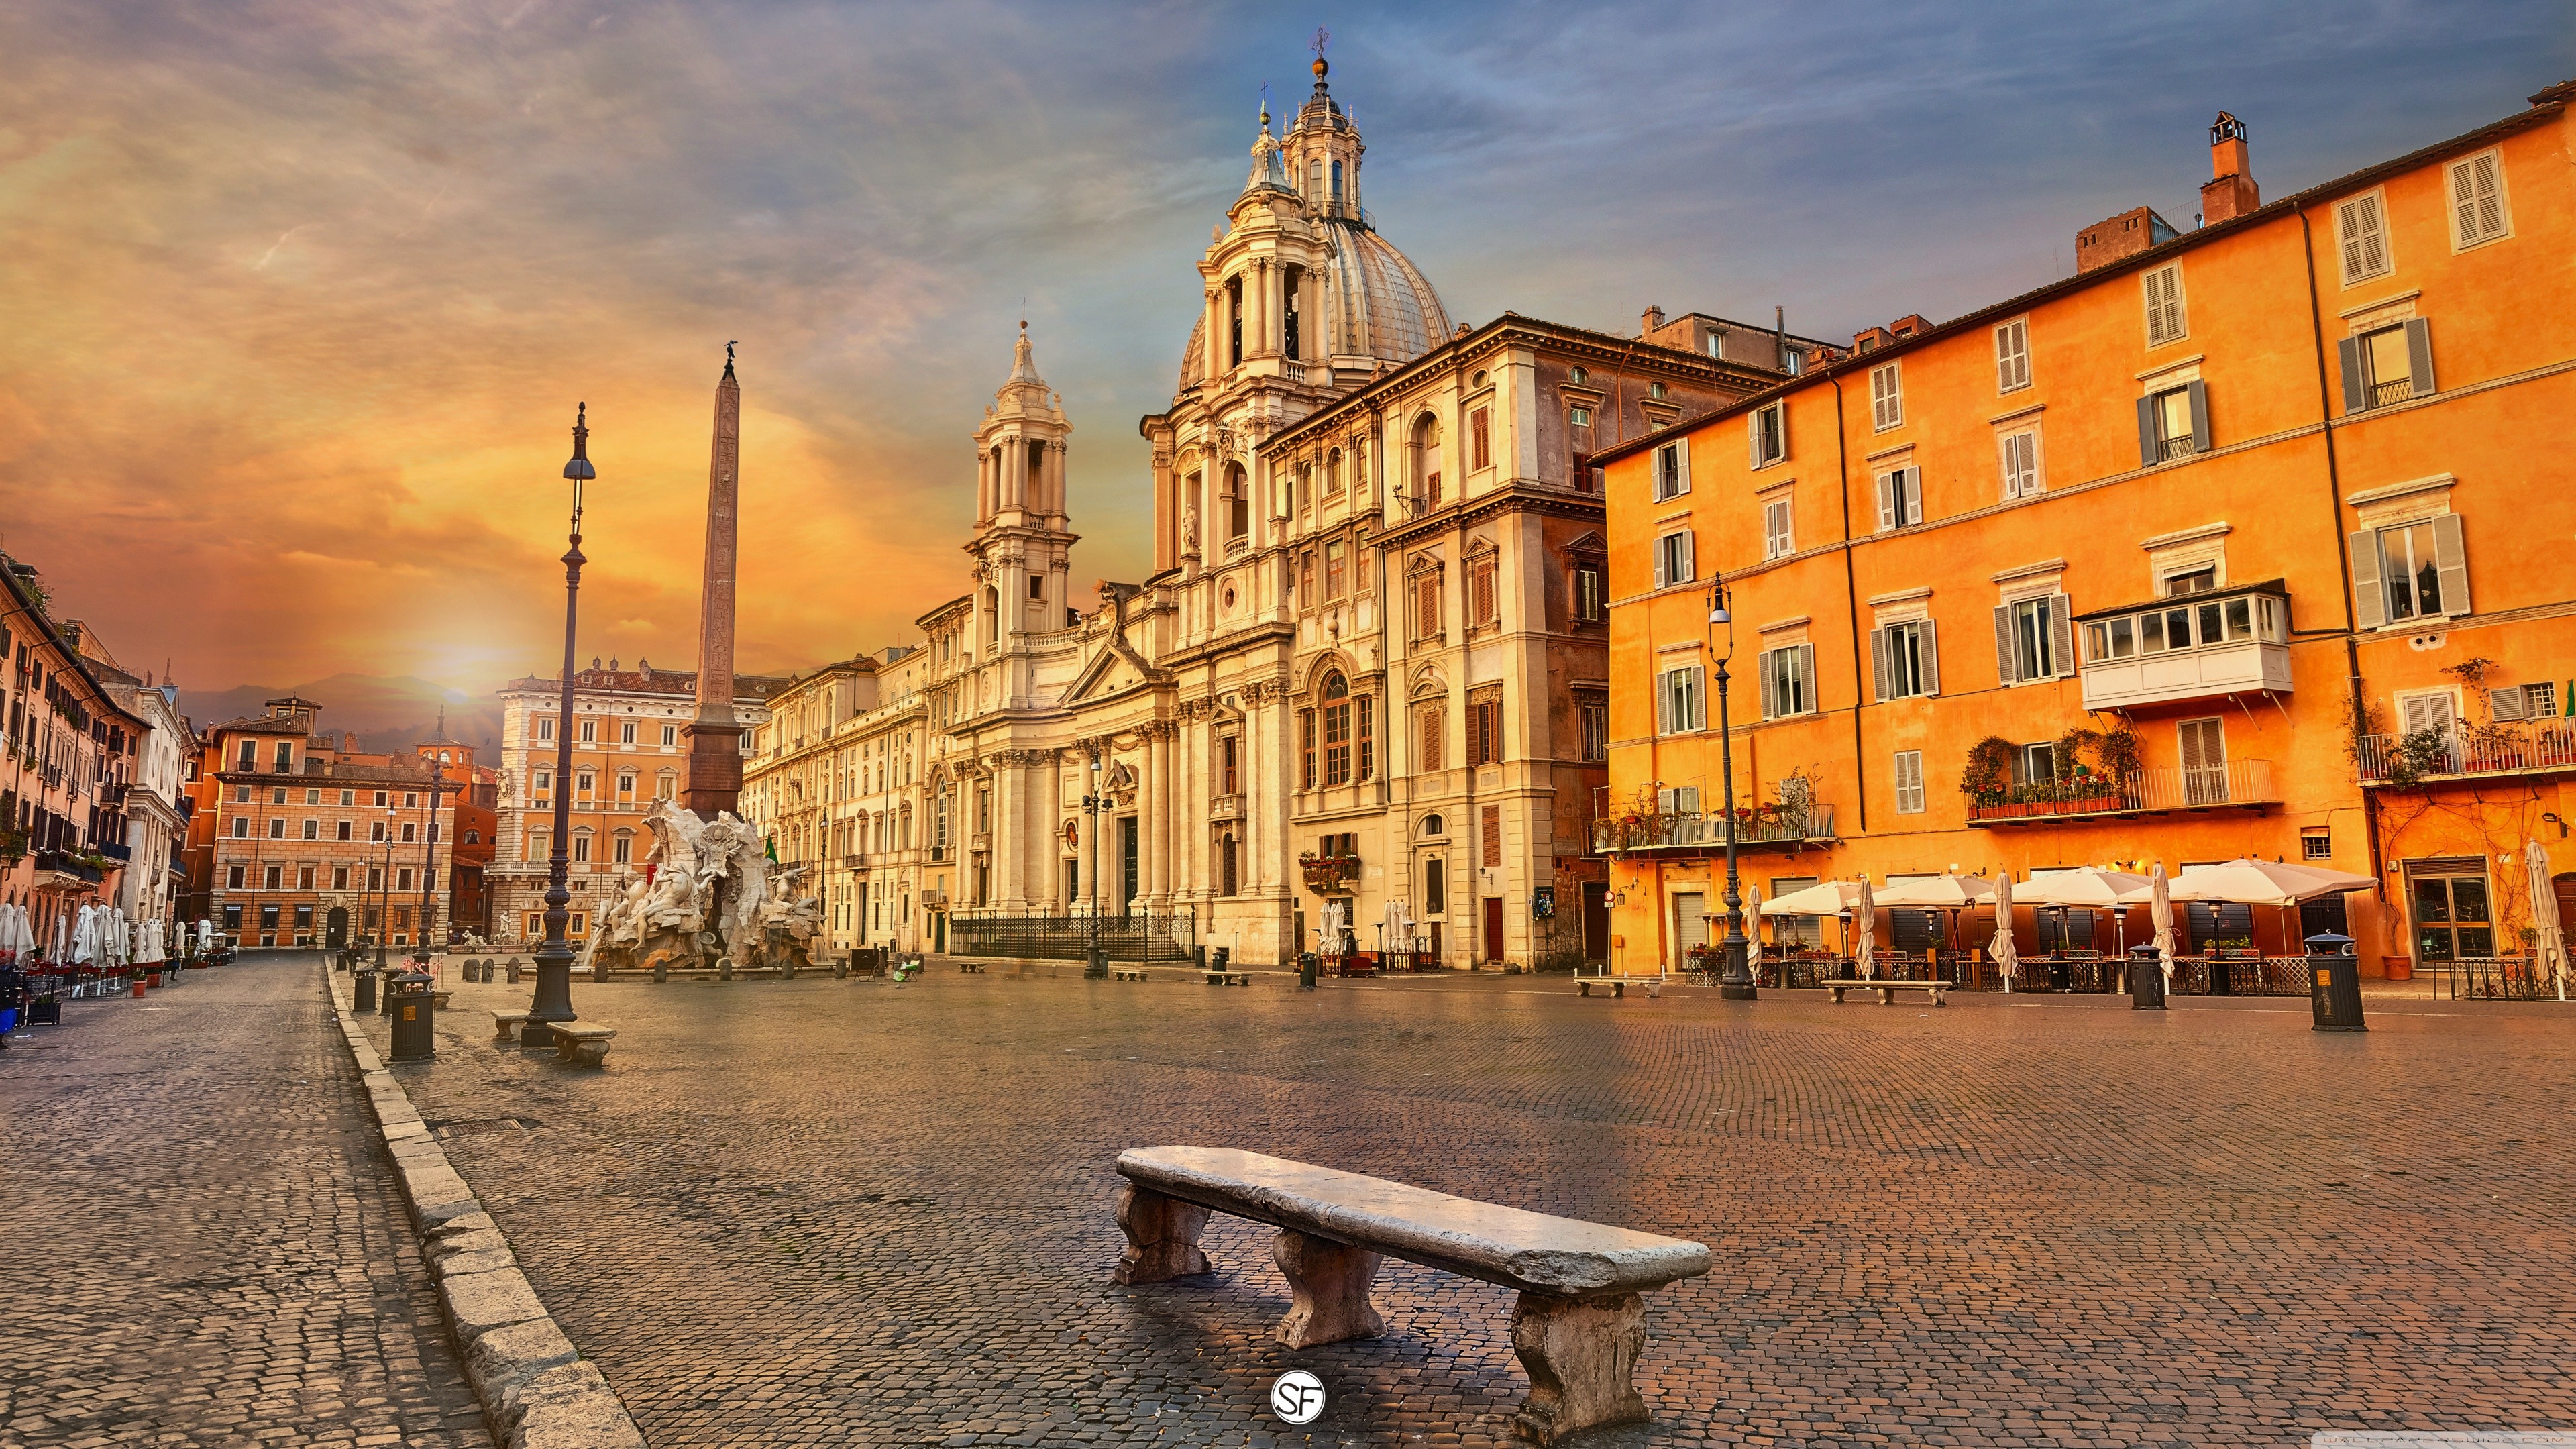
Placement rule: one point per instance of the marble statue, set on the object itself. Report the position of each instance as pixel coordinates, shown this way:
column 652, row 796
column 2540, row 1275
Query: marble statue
column 709, row 896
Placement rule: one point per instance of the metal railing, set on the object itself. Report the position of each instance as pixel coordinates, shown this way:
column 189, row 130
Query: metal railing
column 2162, row 787
column 2172, row 448
column 1692, row 830
column 2508, row 978
column 2489, row 749
column 1141, row 938
column 2384, row 393
column 2241, row 975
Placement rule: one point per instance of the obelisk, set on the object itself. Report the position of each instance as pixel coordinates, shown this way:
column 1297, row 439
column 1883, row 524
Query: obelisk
column 715, row 739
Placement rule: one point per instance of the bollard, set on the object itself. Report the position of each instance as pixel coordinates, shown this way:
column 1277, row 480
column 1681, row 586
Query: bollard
column 514, row 970
column 2146, row 979
column 2334, row 983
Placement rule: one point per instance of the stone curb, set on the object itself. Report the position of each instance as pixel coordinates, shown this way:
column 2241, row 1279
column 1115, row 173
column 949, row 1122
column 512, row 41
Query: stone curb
column 536, row 1389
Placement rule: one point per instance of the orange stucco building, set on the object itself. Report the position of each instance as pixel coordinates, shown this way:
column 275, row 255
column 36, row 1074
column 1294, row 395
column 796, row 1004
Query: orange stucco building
column 2241, row 541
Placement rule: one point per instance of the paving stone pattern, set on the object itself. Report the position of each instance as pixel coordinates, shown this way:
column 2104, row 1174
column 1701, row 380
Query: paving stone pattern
column 839, row 1212
column 199, row 1232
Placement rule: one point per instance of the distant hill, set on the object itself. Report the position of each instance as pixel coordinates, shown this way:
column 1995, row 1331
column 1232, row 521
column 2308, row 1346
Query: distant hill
column 386, row 713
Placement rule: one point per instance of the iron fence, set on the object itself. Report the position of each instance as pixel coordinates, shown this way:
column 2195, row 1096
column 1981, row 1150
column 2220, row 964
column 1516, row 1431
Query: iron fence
column 1144, row 939
column 2490, row 979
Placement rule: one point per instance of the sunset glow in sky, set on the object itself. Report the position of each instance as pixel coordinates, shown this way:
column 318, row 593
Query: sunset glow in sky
column 297, row 298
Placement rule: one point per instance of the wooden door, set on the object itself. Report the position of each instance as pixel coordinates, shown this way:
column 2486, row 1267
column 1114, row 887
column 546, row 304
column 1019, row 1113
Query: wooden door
column 1596, row 921
column 1493, row 928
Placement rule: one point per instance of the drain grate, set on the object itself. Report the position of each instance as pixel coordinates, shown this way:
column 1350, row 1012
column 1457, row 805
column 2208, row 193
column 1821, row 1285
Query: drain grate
column 475, row 1126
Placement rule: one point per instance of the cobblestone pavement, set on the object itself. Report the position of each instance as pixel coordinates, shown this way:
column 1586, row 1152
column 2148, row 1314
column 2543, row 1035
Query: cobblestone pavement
column 825, row 1212
column 200, row 1236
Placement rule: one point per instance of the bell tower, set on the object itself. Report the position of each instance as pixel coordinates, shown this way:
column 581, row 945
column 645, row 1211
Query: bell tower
column 1023, row 544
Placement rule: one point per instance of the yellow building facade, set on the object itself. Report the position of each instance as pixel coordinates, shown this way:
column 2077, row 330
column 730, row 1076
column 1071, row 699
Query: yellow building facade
column 2240, row 542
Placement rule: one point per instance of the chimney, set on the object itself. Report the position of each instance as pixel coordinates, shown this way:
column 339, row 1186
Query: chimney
column 1650, row 322
column 2127, row 234
column 2231, row 190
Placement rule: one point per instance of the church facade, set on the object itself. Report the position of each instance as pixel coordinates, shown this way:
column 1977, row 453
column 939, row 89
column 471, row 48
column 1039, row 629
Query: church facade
column 1370, row 667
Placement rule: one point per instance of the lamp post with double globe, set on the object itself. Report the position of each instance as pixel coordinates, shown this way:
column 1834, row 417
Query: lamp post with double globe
column 1736, row 984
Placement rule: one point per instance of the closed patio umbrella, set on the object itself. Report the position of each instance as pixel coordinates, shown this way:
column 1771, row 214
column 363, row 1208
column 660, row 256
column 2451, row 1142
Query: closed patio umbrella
column 1753, row 911
column 1864, row 956
column 2007, row 958
column 2544, row 915
column 2160, row 913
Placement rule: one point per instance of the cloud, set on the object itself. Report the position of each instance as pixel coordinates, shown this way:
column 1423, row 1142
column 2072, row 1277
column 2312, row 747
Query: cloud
column 301, row 297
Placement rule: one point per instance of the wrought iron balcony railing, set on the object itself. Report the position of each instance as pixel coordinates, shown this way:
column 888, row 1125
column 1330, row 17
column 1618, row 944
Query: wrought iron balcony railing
column 1693, row 830
column 2141, row 792
column 2512, row 748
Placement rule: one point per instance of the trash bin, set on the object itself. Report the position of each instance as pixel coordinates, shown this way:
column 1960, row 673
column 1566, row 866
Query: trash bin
column 366, row 978
column 1307, row 969
column 2146, row 979
column 1097, row 966
column 2334, row 983
column 1198, row 958
column 1224, row 956
column 414, row 1011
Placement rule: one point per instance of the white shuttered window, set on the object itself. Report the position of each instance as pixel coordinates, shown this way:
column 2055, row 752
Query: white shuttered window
column 2362, row 233
column 1778, row 529
column 1673, row 561
column 2477, row 200
column 1909, row 782
column 2166, row 321
column 2021, row 464
column 2012, row 355
column 1886, row 397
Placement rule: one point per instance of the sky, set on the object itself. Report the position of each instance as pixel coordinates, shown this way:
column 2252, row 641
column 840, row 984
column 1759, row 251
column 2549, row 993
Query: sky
column 297, row 298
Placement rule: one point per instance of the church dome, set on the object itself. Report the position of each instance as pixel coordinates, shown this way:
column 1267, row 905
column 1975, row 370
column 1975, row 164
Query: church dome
column 1376, row 302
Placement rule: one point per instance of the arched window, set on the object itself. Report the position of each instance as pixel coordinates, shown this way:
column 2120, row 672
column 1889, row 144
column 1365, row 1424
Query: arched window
column 992, row 614
column 1333, row 473
column 1234, row 322
column 1422, row 452
column 1238, row 503
column 1336, row 695
column 1433, row 825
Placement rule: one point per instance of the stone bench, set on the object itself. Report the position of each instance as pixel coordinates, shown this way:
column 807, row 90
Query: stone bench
column 1578, row 1327
column 1938, row 990
column 1619, row 989
column 586, row 1045
column 438, row 999
column 506, row 1024
column 1229, row 978
column 1124, row 973
column 975, row 967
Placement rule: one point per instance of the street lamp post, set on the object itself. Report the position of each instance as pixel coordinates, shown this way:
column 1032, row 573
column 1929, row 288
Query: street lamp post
column 1737, row 982
column 553, row 1002
column 429, row 856
column 1092, row 965
column 385, row 895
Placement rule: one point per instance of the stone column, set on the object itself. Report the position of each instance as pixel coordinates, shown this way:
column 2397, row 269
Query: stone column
column 1215, row 338
column 1256, row 308
column 1006, row 832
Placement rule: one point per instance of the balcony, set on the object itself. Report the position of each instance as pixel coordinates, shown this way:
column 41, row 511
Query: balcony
column 2466, row 752
column 2195, row 647
column 1764, row 829
column 1226, row 807
column 2163, row 790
